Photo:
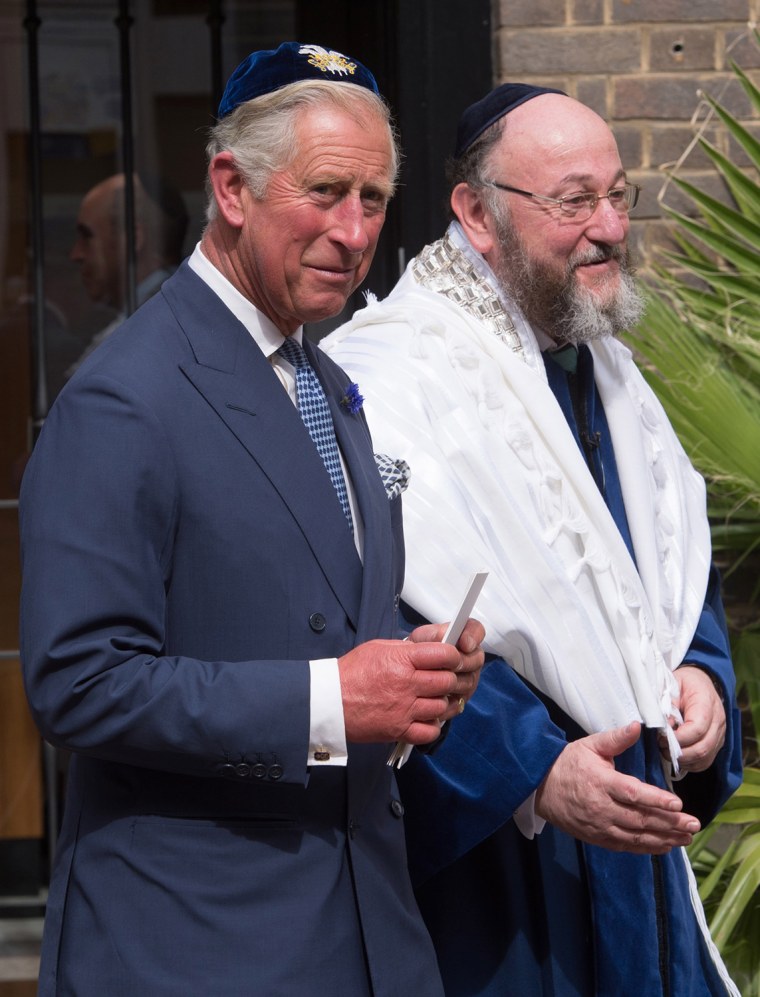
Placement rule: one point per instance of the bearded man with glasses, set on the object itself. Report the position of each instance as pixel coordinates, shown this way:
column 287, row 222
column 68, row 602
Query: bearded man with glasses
column 546, row 834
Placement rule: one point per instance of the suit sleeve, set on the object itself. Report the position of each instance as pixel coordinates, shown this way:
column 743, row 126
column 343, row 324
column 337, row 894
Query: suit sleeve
column 103, row 511
column 494, row 756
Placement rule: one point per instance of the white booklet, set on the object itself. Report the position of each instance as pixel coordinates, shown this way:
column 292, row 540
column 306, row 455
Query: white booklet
column 402, row 750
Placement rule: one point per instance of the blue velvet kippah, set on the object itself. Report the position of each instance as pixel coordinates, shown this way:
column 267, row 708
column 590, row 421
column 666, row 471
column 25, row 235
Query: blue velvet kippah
column 265, row 71
column 493, row 106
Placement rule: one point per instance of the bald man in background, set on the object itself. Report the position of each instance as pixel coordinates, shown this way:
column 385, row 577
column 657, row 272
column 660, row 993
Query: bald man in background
column 100, row 245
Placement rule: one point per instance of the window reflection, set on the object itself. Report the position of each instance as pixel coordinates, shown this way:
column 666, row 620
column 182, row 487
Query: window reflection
column 85, row 84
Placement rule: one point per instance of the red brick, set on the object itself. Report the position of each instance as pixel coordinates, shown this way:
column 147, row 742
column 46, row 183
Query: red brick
column 680, row 48
column 742, row 49
column 682, row 11
column 587, row 12
column 630, row 145
column 532, row 13
column 669, row 142
column 674, row 97
column 592, row 91
column 730, row 94
column 610, row 50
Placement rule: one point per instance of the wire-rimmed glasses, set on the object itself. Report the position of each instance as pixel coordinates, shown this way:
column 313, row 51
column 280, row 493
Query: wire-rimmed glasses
column 583, row 204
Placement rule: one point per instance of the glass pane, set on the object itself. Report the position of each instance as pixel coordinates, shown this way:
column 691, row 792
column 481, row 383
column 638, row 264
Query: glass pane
column 9, row 579
column 82, row 143
column 79, row 114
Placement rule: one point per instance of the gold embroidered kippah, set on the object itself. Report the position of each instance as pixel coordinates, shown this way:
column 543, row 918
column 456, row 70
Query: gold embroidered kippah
column 270, row 69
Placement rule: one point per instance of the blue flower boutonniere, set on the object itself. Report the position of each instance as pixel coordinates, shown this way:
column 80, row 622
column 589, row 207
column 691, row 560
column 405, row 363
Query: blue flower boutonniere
column 352, row 400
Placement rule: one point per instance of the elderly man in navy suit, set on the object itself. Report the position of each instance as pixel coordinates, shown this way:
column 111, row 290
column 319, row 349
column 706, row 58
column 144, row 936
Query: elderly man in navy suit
column 211, row 569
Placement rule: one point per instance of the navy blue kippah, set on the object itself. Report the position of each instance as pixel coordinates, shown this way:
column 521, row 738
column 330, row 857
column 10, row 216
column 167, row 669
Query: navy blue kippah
column 490, row 108
column 268, row 70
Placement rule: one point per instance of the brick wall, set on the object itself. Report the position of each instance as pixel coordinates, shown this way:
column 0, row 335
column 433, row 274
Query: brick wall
column 640, row 64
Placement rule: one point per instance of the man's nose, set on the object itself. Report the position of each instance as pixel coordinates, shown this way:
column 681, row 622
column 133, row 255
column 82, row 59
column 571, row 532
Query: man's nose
column 607, row 224
column 350, row 228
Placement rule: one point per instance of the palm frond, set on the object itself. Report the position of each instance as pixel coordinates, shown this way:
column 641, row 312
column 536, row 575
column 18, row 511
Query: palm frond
column 699, row 344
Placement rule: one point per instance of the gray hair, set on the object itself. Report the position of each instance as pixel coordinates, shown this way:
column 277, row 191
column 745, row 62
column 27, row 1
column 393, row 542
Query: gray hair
column 260, row 133
column 473, row 166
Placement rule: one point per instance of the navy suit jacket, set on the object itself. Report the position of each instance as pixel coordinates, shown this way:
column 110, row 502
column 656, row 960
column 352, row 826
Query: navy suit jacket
column 184, row 556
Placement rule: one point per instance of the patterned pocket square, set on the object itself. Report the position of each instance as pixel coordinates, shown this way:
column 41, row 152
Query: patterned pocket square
column 394, row 473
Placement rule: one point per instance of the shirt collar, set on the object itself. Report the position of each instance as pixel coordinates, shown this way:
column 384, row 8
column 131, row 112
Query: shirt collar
column 265, row 333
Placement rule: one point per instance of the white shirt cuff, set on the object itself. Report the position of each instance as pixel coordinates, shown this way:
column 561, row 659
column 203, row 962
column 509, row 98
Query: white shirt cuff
column 327, row 730
column 528, row 823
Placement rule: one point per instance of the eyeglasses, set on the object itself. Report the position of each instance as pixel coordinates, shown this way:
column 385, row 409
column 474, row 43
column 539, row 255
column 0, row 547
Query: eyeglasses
column 583, row 204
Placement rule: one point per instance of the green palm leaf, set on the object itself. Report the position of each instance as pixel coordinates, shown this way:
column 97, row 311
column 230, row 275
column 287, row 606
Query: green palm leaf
column 700, row 349
column 741, row 890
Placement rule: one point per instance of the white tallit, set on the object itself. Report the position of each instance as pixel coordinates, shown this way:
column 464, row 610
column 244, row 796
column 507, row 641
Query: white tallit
column 456, row 386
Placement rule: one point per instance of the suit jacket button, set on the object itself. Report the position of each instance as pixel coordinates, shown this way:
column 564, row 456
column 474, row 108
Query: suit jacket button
column 242, row 770
column 317, row 622
column 226, row 770
column 397, row 808
column 275, row 772
column 259, row 770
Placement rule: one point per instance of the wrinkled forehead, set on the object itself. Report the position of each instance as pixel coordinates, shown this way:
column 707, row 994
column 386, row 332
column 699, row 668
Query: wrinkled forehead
column 350, row 137
column 346, row 130
column 552, row 137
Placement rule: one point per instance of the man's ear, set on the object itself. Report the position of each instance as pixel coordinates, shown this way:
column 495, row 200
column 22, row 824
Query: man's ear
column 467, row 204
column 228, row 185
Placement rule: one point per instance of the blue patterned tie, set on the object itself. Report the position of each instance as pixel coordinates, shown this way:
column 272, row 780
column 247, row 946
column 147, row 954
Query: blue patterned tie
column 315, row 413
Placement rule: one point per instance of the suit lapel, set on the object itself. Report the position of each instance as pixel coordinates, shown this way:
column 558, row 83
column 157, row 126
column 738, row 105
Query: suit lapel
column 237, row 381
column 233, row 376
column 367, row 761
column 356, row 445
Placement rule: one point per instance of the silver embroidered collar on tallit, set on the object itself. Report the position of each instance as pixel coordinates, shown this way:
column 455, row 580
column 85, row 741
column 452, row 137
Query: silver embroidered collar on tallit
column 443, row 267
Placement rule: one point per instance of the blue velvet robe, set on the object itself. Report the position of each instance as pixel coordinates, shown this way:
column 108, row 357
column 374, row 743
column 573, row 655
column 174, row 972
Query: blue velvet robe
column 551, row 916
